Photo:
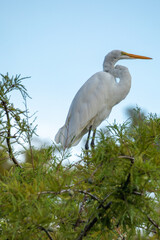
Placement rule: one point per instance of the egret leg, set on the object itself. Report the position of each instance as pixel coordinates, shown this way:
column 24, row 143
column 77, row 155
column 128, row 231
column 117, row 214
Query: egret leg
column 89, row 132
column 93, row 138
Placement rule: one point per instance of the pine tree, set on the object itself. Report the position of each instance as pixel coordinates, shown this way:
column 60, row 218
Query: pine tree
column 110, row 192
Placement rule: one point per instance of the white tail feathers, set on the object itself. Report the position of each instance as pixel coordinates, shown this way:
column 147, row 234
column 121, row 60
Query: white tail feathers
column 64, row 138
column 61, row 136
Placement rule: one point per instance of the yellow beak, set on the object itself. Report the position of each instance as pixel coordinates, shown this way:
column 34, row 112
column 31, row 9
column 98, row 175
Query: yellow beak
column 135, row 56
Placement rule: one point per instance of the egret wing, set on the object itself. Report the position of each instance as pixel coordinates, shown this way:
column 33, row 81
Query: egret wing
column 86, row 109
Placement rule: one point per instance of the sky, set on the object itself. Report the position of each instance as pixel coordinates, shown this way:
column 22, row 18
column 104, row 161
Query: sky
column 60, row 44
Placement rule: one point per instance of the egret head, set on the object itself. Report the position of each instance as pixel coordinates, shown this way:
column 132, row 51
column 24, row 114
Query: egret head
column 115, row 55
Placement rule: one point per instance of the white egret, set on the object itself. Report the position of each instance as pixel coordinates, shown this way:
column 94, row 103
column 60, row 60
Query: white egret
column 94, row 101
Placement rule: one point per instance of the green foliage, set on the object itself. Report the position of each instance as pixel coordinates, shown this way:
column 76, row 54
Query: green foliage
column 110, row 192
column 14, row 122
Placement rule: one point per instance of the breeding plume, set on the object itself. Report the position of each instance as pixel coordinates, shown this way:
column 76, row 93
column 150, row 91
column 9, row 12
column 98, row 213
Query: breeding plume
column 95, row 99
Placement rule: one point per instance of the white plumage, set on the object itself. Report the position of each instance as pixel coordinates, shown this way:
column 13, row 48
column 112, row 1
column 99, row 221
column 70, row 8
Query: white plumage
column 94, row 101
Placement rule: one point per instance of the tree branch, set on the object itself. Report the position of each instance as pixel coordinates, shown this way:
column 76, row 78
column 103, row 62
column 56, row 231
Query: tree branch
column 75, row 190
column 91, row 195
column 28, row 132
column 9, row 136
column 129, row 175
column 78, row 221
column 92, row 222
column 52, row 192
column 127, row 157
column 153, row 222
column 45, row 230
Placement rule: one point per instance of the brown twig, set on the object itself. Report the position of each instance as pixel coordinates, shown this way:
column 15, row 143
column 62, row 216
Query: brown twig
column 91, row 195
column 153, row 222
column 45, row 230
column 129, row 175
column 74, row 190
column 120, row 234
column 99, row 166
column 138, row 193
column 28, row 132
column 52, row 192
column 91, row 223
column 127, row 157
column 78, row 221
column 9, row 136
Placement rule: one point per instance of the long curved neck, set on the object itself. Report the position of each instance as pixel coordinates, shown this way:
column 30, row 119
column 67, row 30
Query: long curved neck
column 122, row 88
column 108, row 64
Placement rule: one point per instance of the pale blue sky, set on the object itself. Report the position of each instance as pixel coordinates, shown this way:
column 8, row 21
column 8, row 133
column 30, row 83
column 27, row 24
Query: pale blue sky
column 60, row 44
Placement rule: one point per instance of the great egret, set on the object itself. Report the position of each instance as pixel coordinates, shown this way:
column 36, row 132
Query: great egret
column 94, row 101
